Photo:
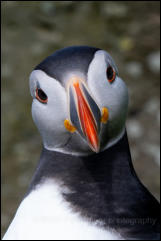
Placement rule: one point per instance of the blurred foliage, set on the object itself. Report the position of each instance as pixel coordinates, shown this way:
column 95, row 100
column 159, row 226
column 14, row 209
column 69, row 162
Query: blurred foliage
column 32, row 30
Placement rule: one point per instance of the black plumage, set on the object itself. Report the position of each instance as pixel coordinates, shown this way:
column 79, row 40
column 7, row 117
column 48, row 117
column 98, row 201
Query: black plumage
column 74, row 58
column 105, row 188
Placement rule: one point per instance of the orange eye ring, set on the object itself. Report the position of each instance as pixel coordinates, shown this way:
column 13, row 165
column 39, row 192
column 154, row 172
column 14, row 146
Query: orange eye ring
column 41, row 96
column 111, row 74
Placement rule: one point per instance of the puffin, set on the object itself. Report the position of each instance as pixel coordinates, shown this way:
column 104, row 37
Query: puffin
column 85, row 186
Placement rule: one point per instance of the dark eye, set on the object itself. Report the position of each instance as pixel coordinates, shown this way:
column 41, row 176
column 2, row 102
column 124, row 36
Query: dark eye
column 111, row 74
column 41, row 96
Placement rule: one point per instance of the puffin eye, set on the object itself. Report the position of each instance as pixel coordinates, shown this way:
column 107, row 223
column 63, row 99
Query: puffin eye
column 41, row 96
column 111, row 74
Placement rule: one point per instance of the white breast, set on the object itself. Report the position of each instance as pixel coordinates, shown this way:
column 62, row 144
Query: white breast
column 44, row 215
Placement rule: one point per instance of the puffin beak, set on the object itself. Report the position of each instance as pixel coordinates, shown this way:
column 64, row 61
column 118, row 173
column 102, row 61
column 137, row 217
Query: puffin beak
column 84, row 113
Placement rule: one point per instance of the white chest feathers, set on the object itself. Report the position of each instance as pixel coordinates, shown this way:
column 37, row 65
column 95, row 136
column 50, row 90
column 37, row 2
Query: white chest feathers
column 44, row 215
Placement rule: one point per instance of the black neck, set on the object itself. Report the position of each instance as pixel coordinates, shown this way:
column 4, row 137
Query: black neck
column 116, row 159
column 103, row 187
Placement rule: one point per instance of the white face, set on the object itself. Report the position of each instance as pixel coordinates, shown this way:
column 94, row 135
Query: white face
column 50, row 116
column 113, row 95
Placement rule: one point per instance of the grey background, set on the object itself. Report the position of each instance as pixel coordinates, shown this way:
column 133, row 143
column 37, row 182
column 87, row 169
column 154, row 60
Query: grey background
column 129, row 31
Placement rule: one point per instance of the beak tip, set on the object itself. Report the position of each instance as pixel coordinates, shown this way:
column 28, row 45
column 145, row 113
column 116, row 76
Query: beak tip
column 96, row 149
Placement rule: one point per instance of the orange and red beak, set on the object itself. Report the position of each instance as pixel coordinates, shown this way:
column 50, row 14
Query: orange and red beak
column 84, row 113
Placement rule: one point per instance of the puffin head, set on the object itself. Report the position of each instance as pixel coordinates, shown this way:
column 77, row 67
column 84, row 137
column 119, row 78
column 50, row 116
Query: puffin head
column 79, row 101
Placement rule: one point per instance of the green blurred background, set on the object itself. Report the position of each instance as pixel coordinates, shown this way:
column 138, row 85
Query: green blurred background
column 32, row 30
